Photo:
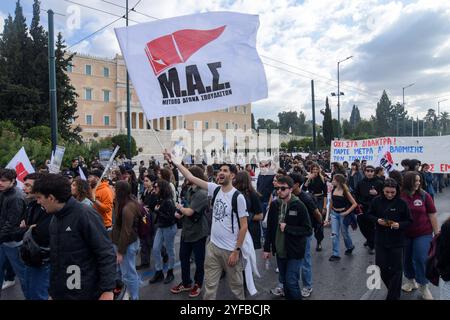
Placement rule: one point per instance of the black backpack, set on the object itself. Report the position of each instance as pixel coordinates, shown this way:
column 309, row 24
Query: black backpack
column 234, row 208
column 31, row 253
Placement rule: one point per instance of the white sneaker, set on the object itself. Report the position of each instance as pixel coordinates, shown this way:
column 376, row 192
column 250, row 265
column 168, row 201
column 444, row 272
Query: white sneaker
column 410, row 285
column 277, row 291
column 425, row 292
column 306, row 292
column 8, row 284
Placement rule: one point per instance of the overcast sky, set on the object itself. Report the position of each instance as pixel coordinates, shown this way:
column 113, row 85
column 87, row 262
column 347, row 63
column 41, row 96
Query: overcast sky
column 393, row 44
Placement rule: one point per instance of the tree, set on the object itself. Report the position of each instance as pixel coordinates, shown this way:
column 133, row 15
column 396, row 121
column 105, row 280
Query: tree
column 398, row 118
column 347, row 130
column 355, row 118
column 288, row 119
column 384, row 115
column 253, row 122
column 444, row 122
column 24, row 83
column 268, row 124
column 66, row 94
column 431, row 123
column 122, row 141
column 327, row 124
column 41, row 133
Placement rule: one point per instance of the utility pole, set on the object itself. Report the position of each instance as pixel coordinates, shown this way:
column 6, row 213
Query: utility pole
column 128, row 100
column 339, row 98
column 313, row 116
column 52, row 80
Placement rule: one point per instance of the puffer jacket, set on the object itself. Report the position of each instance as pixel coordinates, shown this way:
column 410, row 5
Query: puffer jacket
column 80, row 247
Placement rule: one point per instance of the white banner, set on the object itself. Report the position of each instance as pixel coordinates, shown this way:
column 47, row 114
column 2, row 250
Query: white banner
column 22, row 165
column 195, row 63
column 385, row 160
column 432, row 150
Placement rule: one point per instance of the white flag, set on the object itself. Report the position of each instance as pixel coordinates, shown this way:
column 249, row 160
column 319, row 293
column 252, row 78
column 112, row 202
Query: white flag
column 385, row 160
column 22, row 165
column 82, row 176
column 195, row 63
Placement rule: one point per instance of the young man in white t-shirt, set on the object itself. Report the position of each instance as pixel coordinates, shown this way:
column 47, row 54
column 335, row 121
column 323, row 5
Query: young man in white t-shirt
column 223, row 252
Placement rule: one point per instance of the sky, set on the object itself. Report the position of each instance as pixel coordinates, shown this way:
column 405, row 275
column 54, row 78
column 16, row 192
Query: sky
column 392, row 43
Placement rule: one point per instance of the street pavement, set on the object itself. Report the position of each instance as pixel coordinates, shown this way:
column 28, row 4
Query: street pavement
column 342, row 280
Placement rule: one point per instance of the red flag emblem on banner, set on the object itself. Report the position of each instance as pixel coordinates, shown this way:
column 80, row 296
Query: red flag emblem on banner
column 388, row 157
column 21, row 171
column 178, row 47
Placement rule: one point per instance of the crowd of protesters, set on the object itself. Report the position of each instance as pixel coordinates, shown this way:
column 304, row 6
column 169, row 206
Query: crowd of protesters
column 85, row 222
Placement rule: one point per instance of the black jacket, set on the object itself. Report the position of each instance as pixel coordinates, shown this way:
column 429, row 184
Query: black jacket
column 78, row 238
column 443, row 252
column 396, row 210
column 12, row 212
column 36, row 214
column 362, row 194
column 165, row 215
column 264, row 185
column 298, row 228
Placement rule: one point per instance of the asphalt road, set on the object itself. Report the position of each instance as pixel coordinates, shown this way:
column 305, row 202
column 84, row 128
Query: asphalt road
column 342, row 280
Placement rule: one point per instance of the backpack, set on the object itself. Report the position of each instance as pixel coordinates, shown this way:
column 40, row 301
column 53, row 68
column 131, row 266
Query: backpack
column 31, row 253
column 431, row 269
column 145, row 222
column 234, row 208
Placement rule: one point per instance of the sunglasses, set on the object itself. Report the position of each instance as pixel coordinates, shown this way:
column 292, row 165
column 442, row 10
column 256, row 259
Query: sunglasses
column 281, row 188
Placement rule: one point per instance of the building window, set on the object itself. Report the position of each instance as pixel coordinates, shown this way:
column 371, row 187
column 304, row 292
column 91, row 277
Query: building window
column 226, row 110
column 106, row 72
column 197, row 124
column 88, row 70
column 206, row 125
column 226, row 126
column 106, row 120
column 70, row 68
column 235, row 126
column 167, row 123
column 106, row 94
column 87, row 94
column 235, row 109
column 217, row 125
column 245, row 109
column 245, row 127
column 89, row 120
column 184, row 124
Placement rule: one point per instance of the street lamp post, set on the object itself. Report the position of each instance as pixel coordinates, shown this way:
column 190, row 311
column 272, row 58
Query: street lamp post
column 396, row 114
column 439, row 112
column 339, row 97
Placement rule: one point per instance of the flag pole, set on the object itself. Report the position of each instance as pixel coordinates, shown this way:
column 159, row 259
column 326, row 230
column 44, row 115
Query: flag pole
column 156, row 136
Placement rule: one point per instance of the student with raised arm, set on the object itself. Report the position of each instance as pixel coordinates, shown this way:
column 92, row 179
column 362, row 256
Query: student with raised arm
column 228, row 230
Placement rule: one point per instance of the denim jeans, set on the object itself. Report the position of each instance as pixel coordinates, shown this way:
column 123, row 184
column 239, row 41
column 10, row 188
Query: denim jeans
column 416, row 254
column 12, row 255
column 289, row 276
column 337, row 226
column 166, row 237
column 128, row 269
column 306, row 265
column 37, row 282
column 186, row 249
column 8, row 271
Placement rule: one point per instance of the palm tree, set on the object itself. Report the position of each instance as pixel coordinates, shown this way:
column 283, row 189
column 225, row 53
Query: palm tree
column 444, row 120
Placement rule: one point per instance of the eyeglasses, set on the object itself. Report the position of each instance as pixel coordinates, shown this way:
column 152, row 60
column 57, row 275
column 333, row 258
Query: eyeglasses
column 281, row 188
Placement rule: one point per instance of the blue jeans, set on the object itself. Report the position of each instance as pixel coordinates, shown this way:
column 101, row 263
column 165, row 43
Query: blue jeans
column 337, row 226
column 416, row 254
column 37, row 282
column 128, row 269
column 289, row 276
column 12, row 255
column 306, row 265
column 186, row 248
column 166, row 237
